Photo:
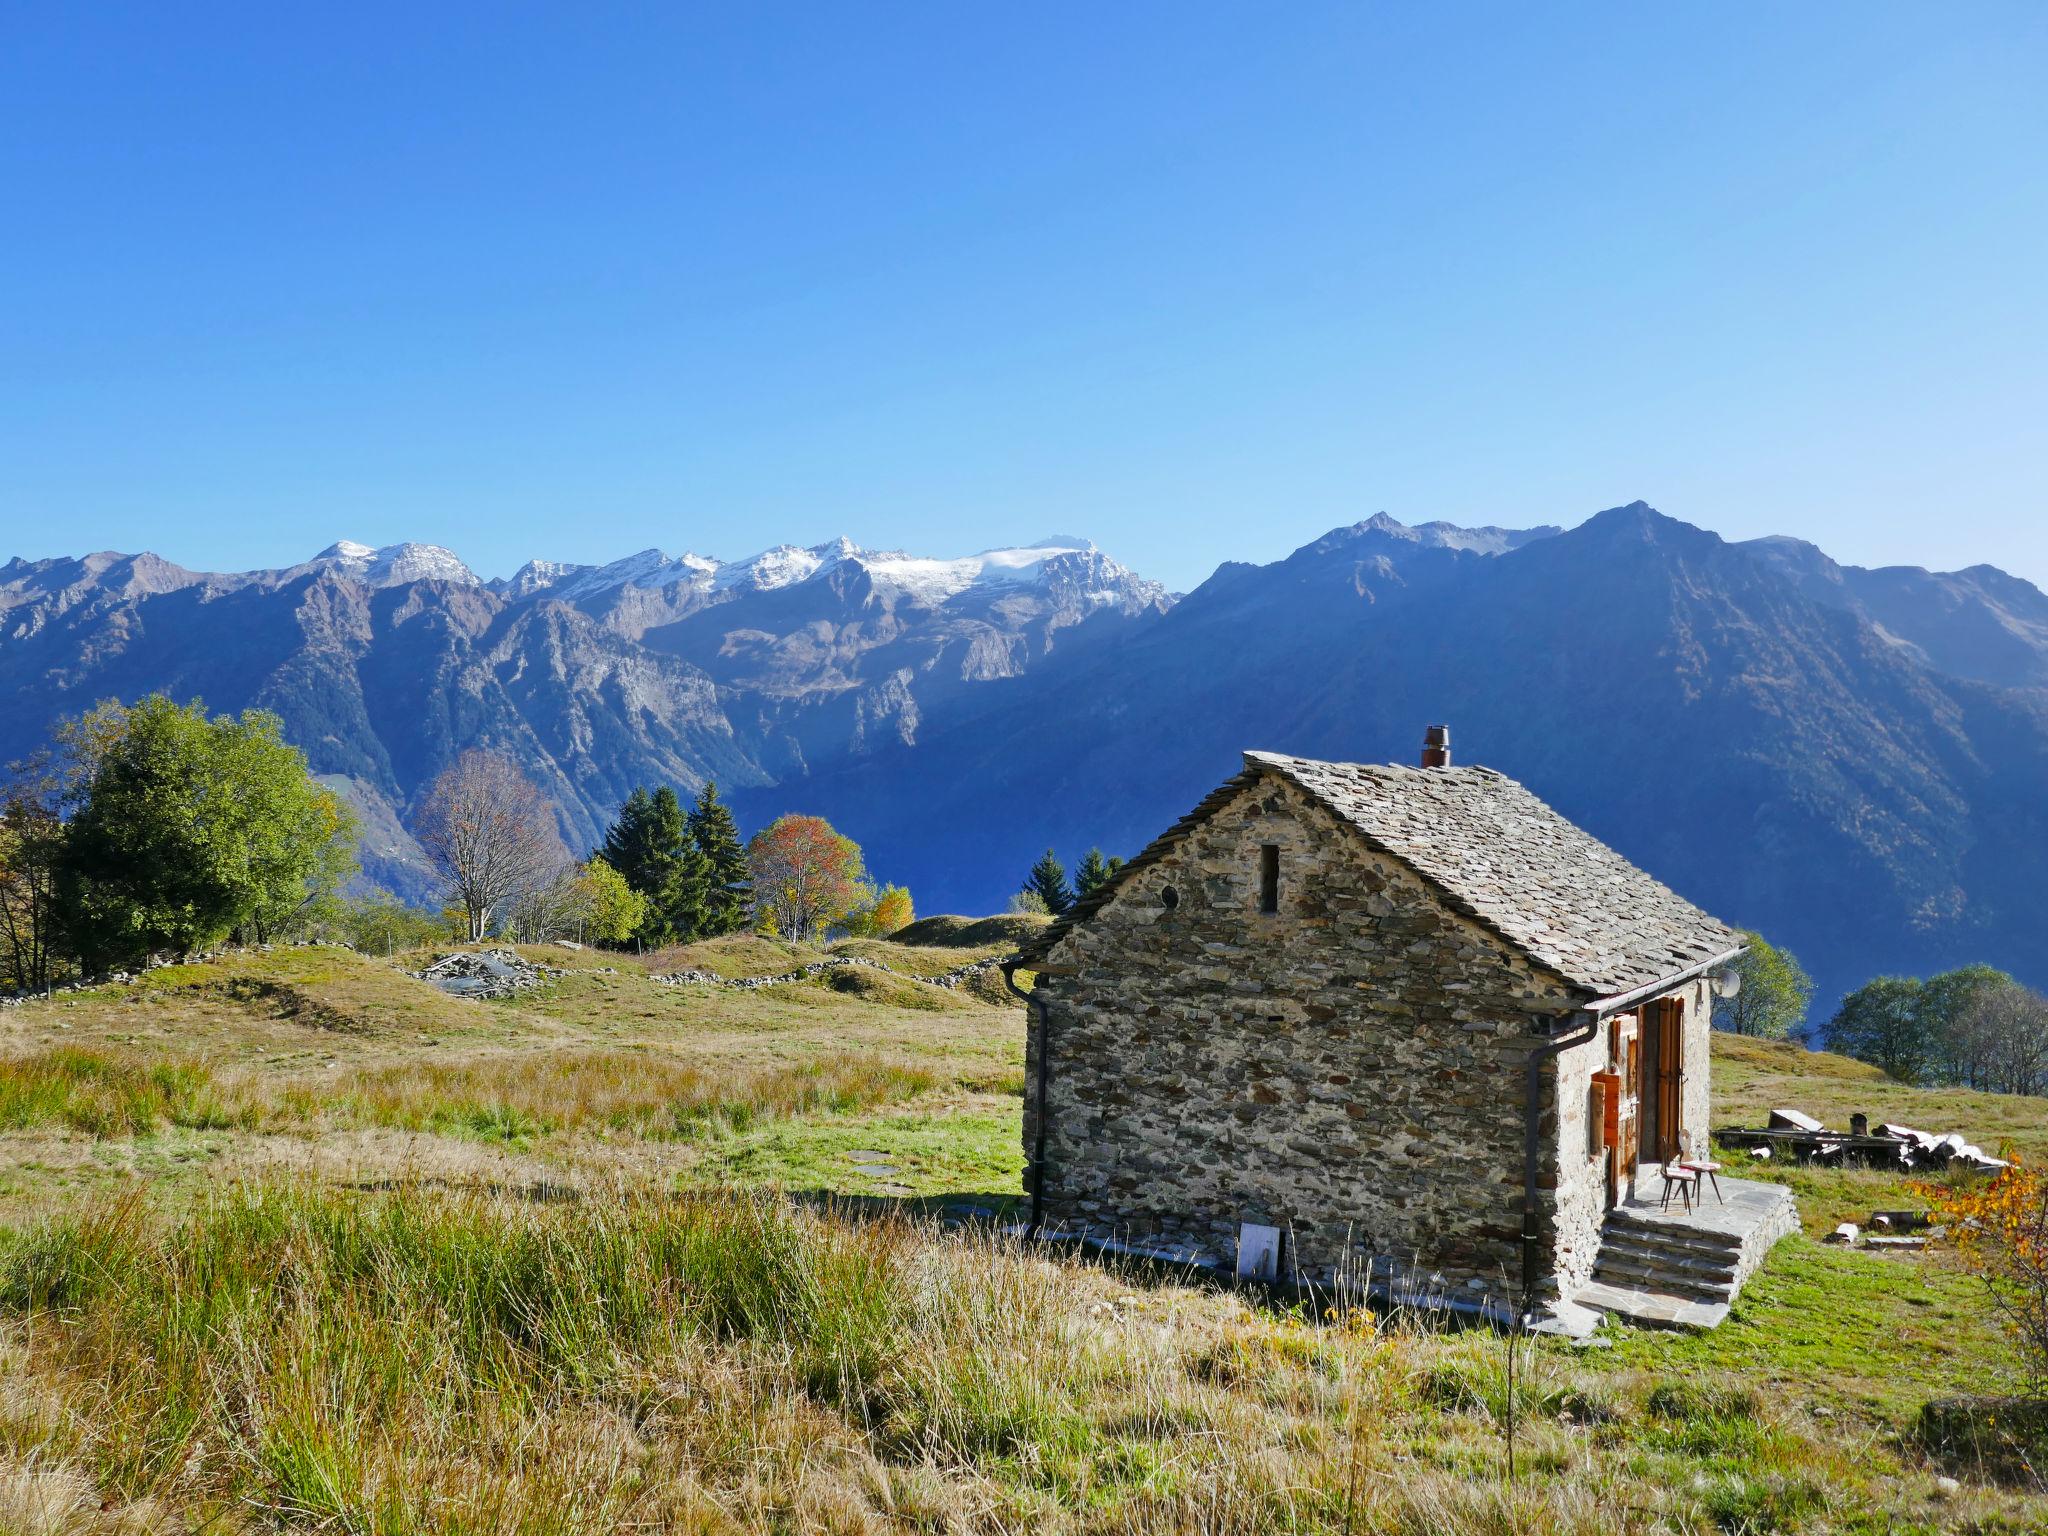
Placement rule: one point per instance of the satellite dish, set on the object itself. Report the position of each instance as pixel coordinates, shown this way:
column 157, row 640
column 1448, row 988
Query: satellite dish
column 1727, row 983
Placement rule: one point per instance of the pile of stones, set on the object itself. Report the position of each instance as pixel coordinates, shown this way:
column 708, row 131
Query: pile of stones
column 486, row 973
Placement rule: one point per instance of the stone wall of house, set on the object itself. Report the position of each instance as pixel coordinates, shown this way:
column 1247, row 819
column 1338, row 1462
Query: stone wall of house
column 1581, row 1186
column 1581, row 1180
column 1696, row 1087
column 1349, row 1069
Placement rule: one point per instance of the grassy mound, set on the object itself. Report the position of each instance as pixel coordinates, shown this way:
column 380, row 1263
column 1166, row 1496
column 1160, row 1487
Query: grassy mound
column 319, row 986
column 873, row 986
column 949, row 932
column 736, row 956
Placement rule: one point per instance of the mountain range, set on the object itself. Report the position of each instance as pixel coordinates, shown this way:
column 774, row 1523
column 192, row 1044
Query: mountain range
column 1853, row 761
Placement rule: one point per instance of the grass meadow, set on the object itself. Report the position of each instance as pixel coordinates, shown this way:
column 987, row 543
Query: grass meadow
column 292, row 1242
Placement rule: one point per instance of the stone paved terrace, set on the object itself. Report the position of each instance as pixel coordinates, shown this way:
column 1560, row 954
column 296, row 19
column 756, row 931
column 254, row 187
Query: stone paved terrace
column 1666, row 1266
column 1749, row 1204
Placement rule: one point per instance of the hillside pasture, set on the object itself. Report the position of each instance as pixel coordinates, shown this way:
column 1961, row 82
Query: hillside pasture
column 292, row 1240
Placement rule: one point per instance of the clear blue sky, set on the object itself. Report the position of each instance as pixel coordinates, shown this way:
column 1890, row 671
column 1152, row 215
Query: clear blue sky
column 1197, row 281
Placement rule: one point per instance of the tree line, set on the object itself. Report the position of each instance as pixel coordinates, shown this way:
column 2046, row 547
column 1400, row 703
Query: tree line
column 1971, row 1027
column 156, row 829
column 662, row 874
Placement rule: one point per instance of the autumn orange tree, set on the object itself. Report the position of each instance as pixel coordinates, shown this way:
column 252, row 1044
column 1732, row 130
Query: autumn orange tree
column 806, row 877
column 2001, row 1231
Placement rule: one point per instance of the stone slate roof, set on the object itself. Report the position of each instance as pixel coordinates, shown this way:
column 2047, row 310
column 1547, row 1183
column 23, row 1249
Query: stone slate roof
column 1496, row 853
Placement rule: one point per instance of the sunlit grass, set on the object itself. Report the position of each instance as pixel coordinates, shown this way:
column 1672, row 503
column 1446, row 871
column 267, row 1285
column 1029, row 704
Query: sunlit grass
column 106, row 1095
column 618, row 1092
column 287, row 1356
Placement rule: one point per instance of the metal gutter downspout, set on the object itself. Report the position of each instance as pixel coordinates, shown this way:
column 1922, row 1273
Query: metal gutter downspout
column 1532, row 1140
column 1033, row 1004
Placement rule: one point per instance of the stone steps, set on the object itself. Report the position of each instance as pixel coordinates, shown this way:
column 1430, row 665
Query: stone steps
column 1662, row 1274
column 1666, row 1234
column 1699, row 1263
column 1651, row 1276
column 1653, row 1309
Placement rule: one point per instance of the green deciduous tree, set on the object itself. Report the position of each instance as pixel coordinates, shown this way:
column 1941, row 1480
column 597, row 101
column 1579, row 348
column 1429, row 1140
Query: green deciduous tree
column 190, row 829
column 381, row 924
column 1949, row 1010
column 31, row 853
column 1771, row 1001
column 1048, row 882
column 1881, row 1023
column 614, row 909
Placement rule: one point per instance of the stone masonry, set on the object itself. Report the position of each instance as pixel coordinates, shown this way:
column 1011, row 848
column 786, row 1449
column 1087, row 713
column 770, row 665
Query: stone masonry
column 1349, row 1067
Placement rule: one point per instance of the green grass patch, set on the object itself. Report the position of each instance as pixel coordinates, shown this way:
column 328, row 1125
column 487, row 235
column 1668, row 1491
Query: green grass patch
column 106, row 1095
column 1843, row 1330
column 960, row 1153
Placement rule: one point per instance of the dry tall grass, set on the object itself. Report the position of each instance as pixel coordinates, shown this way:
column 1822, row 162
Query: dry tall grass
column 114, row 1093
column 633, row 1092
column 289, row 1356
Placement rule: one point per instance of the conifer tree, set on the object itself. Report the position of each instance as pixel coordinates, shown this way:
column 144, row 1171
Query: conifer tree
column 729, row 894
column 688, row 897
column 650, row 845
column 1093, row 872
column 1048, row 882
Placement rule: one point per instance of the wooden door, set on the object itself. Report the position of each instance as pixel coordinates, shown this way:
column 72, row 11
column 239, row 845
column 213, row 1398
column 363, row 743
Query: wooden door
column 1625, row 1060
column 1669, row 1016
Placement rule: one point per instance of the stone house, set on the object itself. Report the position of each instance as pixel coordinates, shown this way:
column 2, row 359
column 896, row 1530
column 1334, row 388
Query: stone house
column 1344, row 1019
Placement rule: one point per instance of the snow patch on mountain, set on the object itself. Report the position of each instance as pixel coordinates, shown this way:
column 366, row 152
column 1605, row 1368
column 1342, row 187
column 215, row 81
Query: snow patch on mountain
column 392, row 566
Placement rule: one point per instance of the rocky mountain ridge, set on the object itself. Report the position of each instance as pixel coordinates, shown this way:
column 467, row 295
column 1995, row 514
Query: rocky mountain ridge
column 1855, row 761
column 384, row 663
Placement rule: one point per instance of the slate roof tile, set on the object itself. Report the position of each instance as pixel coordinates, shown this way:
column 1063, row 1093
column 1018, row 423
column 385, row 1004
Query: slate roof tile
column 1498, row 854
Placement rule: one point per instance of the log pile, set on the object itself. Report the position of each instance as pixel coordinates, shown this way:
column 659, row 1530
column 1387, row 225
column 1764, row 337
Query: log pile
column 1800, row 1137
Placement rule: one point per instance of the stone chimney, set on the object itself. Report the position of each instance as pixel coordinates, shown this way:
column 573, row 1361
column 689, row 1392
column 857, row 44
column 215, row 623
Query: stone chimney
column 1436, row 747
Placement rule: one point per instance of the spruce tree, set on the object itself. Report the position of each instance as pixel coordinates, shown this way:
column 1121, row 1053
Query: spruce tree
column 1048, row 882
column 646, row 845
column 730, row 893
column 1093, row 872
column 688, row 896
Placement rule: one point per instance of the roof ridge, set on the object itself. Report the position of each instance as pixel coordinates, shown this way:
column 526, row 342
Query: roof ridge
column 1495, row 853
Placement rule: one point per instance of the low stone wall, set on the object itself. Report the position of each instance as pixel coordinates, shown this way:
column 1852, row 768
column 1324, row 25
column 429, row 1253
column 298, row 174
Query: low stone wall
column 956, row 977
column 1762, row 1238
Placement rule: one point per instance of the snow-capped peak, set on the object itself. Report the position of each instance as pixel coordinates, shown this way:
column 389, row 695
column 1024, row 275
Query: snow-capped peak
column 785, row 565
column 1069, row 568
column 394, row 565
